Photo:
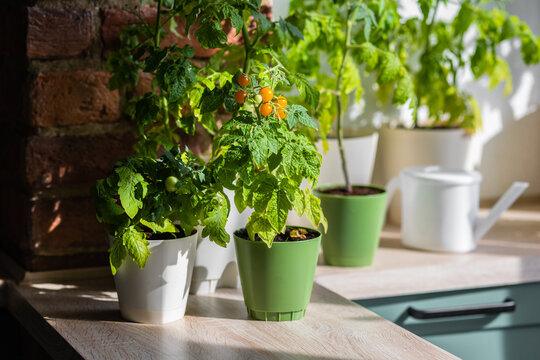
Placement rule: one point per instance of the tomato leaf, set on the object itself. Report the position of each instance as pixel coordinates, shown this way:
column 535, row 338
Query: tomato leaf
column 131, row 189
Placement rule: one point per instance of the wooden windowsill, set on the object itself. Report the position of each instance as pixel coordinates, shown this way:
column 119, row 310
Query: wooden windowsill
column 80, row 318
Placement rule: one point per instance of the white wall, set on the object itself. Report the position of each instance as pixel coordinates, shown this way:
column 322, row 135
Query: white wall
column 511, row 133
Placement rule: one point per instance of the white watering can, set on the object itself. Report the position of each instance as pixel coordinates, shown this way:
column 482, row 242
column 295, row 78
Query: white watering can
column 439, row 207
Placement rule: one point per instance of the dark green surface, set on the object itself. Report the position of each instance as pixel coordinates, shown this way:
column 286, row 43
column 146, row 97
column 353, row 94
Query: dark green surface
column 505, row 336
column 354, row 227
column 277, row 281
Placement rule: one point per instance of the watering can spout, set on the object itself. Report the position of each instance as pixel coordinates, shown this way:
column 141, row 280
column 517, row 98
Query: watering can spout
column 509, row 197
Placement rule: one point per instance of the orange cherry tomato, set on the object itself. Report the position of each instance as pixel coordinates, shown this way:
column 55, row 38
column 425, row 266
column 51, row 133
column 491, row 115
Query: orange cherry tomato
column 282, row 101
column 267, row 94
column 243, row 80
column 240, row 96
column 281, row 113
column 265, row 109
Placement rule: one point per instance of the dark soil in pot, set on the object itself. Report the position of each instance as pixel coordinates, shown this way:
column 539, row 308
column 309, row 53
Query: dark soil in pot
column 356, row 191
column 291, row 234
column 150, row 235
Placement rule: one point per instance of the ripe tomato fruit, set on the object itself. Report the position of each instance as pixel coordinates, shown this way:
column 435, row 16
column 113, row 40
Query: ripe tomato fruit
column 240, row 96
column 243, row 80
column 170, row 183
column 282, row 101
column 265, row 109
column 281, row 113
column 267, row 94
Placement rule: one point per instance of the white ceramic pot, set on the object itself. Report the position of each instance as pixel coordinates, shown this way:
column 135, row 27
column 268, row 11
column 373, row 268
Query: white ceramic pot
column 157, row 293
column 401, row 148
column 360, row 155
column 215, row 266
column 440, row 208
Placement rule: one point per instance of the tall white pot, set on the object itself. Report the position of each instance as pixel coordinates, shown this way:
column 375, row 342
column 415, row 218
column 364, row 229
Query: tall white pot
column 157, row 293
column 360, row 155
column 216, row 266
column 401, row 148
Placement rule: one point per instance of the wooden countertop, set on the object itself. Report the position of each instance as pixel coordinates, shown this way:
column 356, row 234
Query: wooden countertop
column 81, row 319
column 508, row 254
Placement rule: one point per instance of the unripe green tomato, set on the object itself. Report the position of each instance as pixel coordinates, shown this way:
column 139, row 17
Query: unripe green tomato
column 170, row 183
column 258, row 99
column 249, row 107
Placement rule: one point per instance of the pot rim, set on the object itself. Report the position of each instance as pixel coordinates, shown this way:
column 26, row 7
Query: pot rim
column 282, row 243
column 423, row 130
column 330, row 186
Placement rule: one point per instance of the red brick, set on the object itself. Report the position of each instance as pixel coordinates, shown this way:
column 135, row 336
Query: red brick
column 114, row 20
column 58, row 33
column 69, row 160
column 49, row 234
column 73, row 98
column 66, row 226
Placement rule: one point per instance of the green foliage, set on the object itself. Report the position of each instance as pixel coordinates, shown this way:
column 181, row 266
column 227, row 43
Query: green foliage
column 134, row 200
column 348, row 35
column 134, row 196
column 443, row 54
column 264, row 159
column 183, row 93
column 417, row 59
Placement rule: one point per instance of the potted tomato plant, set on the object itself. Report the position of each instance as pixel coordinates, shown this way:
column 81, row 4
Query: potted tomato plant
column 343, row 35
column 438, row 51
column 151, row 208
column 176, row 106
column 263, row 155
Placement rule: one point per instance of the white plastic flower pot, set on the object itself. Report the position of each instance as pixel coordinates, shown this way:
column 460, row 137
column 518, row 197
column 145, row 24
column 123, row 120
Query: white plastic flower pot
column 157, row 293
column 215, row 266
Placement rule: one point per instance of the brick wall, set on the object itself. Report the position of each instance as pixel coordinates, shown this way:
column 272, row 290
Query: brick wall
column 61, row 127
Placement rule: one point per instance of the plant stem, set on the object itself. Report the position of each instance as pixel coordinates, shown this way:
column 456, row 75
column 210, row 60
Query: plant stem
column 345, row 51
column 247, row 47
column 158, row 24
column 426, row 51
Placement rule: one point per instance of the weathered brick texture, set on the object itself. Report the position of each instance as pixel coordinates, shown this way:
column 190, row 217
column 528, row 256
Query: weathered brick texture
column 58, row 33
column 69, row 160
column 66, row 226
column 62, row 127
column 73, row 98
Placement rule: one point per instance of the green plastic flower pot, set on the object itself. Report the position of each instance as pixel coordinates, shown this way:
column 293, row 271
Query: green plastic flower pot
column 277, row 281
column 354, row 226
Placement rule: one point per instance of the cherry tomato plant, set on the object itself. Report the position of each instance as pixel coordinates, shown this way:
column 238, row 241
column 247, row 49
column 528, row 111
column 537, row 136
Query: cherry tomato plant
column 182, row 89
column 261, row 155
column 143, row 195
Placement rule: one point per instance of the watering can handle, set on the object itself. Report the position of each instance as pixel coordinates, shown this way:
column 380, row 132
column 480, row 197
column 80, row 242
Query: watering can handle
column 504, row 202
column 391, row 188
